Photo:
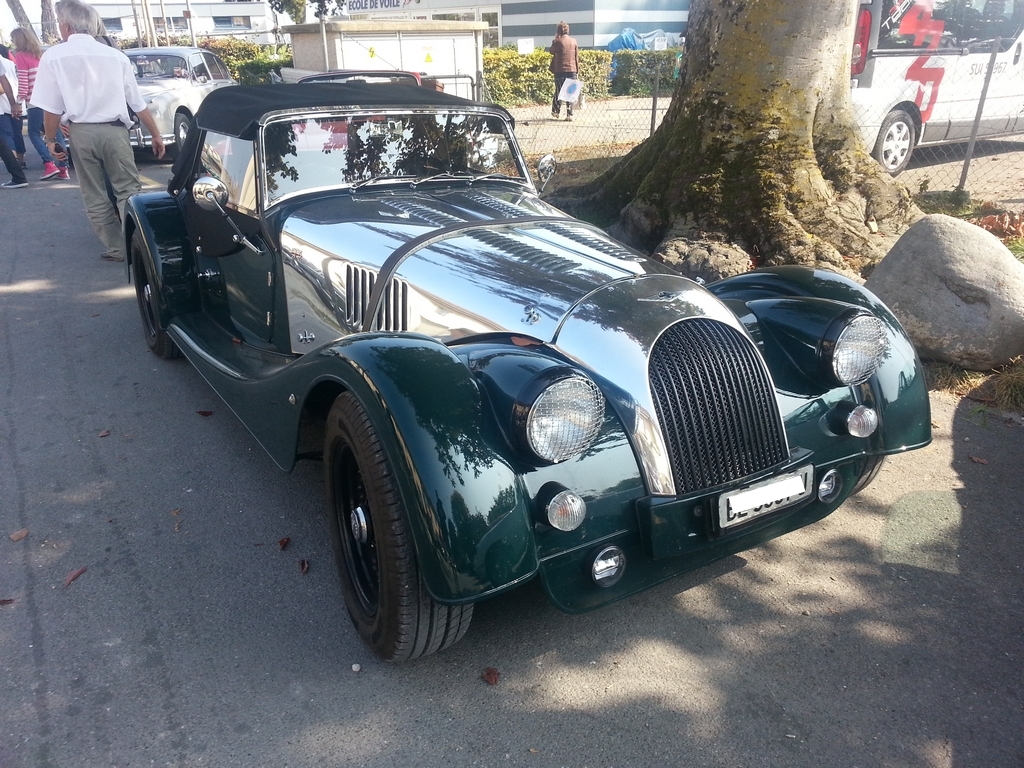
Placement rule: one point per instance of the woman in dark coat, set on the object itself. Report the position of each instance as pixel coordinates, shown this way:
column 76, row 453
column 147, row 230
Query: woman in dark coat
column 565, row 64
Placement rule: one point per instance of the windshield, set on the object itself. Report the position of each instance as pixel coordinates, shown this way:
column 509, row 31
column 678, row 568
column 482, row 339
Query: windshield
column 149, row 66
column 310, row 153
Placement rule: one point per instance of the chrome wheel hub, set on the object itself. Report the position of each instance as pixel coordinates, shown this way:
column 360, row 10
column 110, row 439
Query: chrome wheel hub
column 357, row 522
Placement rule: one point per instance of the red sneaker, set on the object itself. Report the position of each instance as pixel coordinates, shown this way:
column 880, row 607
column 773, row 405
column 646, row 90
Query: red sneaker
column 62, row 173
column 49, row 171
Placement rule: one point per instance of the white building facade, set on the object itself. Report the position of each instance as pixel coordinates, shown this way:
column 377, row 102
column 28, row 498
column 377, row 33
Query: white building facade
column 249, row 19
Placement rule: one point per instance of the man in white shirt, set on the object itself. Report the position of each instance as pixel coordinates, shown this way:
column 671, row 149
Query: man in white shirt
column 90, row 86
column 10, row 160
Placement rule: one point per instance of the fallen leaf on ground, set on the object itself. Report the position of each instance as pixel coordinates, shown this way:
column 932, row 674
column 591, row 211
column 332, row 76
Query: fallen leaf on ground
column 976, row 460
column 8, row 601
column 283, row 543
column 74, row 575
column 205, row 413
column 1004, row 225
column 304, row 566
column 105, row 433
column 19, row 535
column 175, row 512
column 490, row 676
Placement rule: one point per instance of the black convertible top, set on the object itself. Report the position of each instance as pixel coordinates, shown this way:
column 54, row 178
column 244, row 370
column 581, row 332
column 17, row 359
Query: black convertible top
column 236, row 110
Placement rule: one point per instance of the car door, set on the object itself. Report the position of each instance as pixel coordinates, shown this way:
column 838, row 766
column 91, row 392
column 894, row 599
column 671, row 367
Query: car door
column 218, row 70
column 237, row 282
column 202, row 79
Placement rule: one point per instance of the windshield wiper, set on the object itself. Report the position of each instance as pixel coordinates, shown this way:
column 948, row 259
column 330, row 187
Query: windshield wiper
column 461, row 176
column 364, row 182
column 483, row 176
column 466, row 176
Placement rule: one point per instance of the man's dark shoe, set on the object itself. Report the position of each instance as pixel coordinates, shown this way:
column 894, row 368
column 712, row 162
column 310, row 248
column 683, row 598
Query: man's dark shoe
column 12, row 184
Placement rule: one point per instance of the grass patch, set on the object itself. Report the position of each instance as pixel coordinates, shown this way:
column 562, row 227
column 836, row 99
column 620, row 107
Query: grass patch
column 1002, row 388
column 1016, row 246
column 951, row 203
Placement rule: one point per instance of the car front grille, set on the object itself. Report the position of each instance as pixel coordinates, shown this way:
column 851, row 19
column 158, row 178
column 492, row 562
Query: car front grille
column 393, row 314
column 716, row 405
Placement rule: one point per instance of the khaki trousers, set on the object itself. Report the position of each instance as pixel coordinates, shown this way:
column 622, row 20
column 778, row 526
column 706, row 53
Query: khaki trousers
column 103, row 151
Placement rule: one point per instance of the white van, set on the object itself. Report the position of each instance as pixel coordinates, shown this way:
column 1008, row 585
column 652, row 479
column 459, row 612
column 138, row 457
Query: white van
column 918, row 70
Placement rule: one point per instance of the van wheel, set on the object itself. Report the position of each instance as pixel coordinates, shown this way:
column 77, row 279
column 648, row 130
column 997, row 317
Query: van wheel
column 380, row 579
column 895, row 142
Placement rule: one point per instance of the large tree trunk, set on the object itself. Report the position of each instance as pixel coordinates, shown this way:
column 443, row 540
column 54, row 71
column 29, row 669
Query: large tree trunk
column 758, row 147
column 48, row 23
column 19, row 14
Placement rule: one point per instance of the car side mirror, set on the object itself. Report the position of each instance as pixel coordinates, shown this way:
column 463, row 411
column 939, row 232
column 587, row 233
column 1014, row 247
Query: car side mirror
column 545, row 170
column 210, row 194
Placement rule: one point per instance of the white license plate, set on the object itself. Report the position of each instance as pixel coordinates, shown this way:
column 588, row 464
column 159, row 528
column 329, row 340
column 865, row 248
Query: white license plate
column 738, row 507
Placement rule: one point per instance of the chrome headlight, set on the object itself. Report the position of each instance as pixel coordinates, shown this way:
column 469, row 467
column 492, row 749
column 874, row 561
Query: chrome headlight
column 563, row 419
column 854, row 347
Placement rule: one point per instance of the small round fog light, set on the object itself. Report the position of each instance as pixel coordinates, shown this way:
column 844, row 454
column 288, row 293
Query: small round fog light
column 566, row 511
column 862, row 421
column 829, row 487
column 608, row 566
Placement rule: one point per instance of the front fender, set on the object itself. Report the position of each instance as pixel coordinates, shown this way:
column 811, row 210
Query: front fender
column 467, row 508
column 167, row 258
column 898, row 390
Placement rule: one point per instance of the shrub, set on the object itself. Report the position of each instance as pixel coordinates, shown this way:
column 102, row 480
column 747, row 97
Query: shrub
column 635, row 70
column 513, row 80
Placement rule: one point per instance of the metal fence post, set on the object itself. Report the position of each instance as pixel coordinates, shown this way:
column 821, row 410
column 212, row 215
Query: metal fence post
column 977, row 116
column 654, row 103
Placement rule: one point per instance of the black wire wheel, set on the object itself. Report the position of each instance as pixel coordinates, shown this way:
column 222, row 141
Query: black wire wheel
column 158, row 340
column 380, row 579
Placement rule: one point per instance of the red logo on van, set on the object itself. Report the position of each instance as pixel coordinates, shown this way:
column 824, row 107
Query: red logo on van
column 919, row 23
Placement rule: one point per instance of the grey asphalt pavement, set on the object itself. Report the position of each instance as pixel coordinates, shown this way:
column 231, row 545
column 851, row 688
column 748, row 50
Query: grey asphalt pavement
column 889, row 635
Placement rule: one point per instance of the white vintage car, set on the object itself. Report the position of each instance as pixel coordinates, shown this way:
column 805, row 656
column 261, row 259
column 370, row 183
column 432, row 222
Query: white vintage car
column 174, row 81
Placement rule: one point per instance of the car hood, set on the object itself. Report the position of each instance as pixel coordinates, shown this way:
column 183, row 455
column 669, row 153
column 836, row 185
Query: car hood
column 460, row 263
column 467, row 261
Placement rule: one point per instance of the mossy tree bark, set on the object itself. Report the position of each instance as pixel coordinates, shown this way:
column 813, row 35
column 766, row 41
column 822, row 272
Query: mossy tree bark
column 758, row 147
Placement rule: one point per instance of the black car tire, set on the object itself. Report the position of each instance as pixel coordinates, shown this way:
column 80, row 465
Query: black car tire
column 181, row 126
column 380, row 579
column 160, row 343
column 896, row 141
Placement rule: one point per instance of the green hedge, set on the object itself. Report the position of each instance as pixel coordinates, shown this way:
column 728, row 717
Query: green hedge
column 250, row 63
column 635, row 70
column 514, row 80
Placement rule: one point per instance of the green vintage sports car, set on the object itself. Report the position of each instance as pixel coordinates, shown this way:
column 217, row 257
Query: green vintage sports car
column 367, row 276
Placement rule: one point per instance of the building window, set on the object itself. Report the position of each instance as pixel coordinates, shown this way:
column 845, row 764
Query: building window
column 232, row 22
column 491, row 33
column 457, row 16
column 113, row 25
column 179, row 24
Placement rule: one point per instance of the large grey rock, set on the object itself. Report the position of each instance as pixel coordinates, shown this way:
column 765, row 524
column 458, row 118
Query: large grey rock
column 958, row 291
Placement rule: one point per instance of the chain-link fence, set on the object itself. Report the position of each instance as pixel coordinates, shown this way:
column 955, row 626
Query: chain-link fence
column 948, row 121
column 937, row 155
column 605, row 128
